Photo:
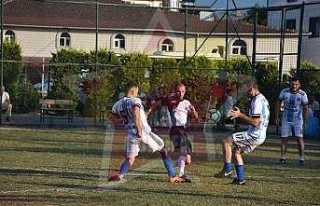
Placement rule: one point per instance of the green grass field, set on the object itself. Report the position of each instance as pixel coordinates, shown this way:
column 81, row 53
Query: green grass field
column 52, row 167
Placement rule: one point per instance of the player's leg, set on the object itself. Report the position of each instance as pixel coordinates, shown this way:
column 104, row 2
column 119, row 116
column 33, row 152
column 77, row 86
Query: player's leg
column 239, row 165
column 8, row 112
column 301, row 150
column 132, row 151
column 155, row 143
column 185, row 154
column 227, row 158
column 286, row 131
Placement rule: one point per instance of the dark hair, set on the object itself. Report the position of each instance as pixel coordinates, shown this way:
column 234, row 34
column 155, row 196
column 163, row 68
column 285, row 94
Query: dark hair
column 253, row 83
column 129, row 85
column 294, row 79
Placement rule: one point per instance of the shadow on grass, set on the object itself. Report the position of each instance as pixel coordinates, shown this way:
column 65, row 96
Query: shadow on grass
column 31, row 172
column 141, row 192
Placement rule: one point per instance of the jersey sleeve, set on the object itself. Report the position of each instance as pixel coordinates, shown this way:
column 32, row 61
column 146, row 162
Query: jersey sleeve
column 304, row 99
column 136, row 102
column 116, row 108
column 256, row 107
column 281, row 95
column 188, row 105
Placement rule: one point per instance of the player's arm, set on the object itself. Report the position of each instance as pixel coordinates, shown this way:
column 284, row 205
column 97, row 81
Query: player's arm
column 153, row 107
column 253, row 120
column 194, row 112
column 277, row 110
column 305, row 112
column 137, row 120
column 114, row 118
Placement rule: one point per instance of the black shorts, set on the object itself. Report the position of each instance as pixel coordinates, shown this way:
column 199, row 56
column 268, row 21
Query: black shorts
column 180, row 140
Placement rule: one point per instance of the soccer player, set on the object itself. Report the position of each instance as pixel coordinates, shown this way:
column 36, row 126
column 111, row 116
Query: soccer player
column 247, row 141
column 179, row 109
column 295, row 111
column 131, row 110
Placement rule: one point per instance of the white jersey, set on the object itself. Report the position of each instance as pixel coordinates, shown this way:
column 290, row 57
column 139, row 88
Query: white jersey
column 5, row 97
column 179, row 114
column 124, row 106
column 293, row 105
column 259, row 107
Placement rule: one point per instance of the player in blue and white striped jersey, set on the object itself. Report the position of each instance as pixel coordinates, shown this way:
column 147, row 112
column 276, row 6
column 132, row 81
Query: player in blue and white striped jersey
column 247, row 141
column 131, row 110
column 295, row 109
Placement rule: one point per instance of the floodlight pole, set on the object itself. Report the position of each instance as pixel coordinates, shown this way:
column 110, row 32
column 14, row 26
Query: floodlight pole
column 96, row 62
column 185, row 32
column 227, row 35
column 2, row 55
column 254, row 47
column 300, row 36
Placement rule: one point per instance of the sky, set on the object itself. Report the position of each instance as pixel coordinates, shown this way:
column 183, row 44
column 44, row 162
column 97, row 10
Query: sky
column 240, row 3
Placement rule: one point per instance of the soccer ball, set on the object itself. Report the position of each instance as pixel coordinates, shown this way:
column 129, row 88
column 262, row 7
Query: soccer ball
column 215, row 116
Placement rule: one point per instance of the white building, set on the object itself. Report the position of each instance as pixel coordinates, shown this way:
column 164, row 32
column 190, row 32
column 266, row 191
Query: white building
column 311, row 24
column 42, row 29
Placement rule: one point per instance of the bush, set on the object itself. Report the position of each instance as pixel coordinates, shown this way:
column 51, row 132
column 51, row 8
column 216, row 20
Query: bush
column 24, row 97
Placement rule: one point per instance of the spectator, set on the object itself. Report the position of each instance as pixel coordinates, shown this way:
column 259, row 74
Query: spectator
column 6, row 104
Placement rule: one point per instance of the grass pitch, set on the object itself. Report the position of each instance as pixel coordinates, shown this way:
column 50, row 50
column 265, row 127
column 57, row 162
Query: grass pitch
column 52, row 167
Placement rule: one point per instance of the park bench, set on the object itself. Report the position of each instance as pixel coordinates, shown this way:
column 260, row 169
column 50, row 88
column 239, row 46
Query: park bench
column 56, row 108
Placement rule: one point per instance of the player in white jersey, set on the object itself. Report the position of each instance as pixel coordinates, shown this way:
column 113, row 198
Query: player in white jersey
column 295, row 111
column 247, row 141
column 131, row 110
column 180, row 109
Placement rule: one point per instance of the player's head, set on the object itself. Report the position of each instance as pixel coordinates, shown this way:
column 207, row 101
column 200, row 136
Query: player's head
column 295, row 84
column 181, row 89
column 252, row 88
column 132, row 89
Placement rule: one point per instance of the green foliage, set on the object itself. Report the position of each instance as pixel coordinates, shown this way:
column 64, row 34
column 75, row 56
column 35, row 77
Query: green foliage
column 23, row 96
column 11, row 70
column 65, row 70
column 135, row 67
column 164, row 74
column 310, row 78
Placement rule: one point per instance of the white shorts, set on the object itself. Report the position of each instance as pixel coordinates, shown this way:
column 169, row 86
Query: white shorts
column 245, row 142
column 291, row 129
column 153, row 141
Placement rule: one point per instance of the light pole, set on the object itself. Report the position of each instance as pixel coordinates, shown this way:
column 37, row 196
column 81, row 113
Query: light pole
column 2, row 16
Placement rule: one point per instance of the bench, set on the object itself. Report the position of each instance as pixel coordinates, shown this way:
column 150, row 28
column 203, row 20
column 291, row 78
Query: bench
column 56, row 108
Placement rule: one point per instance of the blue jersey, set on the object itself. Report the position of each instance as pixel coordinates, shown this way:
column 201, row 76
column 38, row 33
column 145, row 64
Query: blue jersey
column 259, row 107
column 293, row 105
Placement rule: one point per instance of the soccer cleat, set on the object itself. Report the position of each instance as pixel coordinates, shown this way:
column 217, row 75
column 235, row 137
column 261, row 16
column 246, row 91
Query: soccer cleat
column 186, row 179
column 176, row 179
column 115, row 178
column 223, row 174
column 301, row 162
column 283, row 161
column 238, row 182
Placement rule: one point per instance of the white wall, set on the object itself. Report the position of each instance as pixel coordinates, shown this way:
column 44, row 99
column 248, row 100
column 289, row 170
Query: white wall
column 310, row 46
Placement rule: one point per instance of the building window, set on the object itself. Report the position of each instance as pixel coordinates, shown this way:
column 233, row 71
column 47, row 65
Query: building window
column 119, row 41
column 291, row 24
column 239, row 47
column 65, row 40
column 215, row 50
column 9, row 36
column 314, row 27
column 167, row 45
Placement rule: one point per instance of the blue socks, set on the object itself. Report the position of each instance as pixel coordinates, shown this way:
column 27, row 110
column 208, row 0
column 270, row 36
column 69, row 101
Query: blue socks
column 124, row 168
column 227, row 166
column 169, row 166
column 240, row 172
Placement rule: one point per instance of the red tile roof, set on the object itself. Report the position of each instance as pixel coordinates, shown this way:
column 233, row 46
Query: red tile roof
column 41, row 13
